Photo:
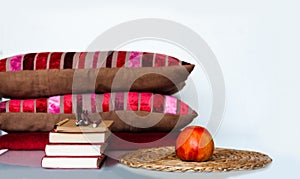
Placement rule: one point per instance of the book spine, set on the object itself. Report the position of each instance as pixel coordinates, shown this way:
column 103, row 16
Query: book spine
column 75, row 149
column 98, row 165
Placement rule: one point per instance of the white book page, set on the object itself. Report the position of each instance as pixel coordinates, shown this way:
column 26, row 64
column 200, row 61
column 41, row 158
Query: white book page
column 2, row 151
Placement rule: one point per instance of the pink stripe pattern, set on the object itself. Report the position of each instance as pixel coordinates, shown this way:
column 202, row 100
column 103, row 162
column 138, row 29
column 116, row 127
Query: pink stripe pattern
column 95, row 60
column 15, row 63
column 54, row 105
column 171, row 105
column 135, row 59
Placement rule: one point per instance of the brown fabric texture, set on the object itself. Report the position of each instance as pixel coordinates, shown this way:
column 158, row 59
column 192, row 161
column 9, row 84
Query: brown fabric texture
column 124, row 121
column 45, row 83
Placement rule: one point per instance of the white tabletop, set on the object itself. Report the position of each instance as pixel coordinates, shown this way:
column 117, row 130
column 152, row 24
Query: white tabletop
column 26, row 165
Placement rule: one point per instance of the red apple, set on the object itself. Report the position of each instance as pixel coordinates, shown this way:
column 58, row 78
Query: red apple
column 194, row 143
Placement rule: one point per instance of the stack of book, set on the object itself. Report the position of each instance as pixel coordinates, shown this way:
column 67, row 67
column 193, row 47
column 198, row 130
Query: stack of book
column 72, row 146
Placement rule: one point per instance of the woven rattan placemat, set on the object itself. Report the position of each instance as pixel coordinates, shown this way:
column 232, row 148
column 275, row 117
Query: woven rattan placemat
column 165, row 159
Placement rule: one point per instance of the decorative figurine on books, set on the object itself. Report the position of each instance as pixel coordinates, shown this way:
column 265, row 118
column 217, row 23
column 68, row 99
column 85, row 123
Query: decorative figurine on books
column 84, row 119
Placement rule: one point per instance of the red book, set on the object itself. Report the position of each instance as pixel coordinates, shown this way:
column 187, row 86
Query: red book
column 72, row 162
column 75, row 149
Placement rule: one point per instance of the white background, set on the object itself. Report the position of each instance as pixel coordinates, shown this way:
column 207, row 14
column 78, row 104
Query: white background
column 256, row 43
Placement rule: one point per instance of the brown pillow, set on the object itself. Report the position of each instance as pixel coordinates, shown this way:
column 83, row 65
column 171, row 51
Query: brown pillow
column 130, row 111
column 36, row 75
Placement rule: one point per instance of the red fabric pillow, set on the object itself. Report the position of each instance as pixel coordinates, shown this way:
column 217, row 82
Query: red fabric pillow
column 24, row 141
column 117, row 141
column 130, row 111
column 131, row 141
column 47, row 74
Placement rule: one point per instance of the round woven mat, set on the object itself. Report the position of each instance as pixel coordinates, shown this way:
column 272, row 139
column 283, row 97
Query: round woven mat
column 165, row 159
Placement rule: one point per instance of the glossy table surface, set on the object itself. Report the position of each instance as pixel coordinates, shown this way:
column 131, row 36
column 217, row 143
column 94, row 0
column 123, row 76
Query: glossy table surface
column 26, row 164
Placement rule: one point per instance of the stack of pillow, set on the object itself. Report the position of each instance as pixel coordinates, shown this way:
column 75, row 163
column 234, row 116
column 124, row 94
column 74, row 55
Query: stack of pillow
column 131, row 88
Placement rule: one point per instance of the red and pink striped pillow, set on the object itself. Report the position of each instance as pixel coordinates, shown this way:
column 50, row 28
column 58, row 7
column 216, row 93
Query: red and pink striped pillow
column 82, row 60
column 35, row 75
column 129, row 110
